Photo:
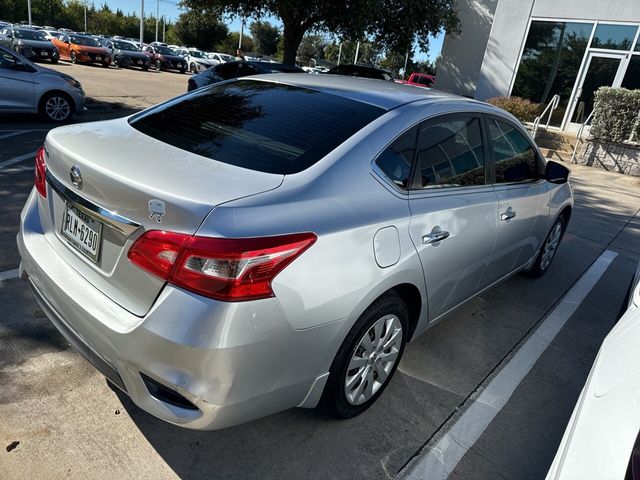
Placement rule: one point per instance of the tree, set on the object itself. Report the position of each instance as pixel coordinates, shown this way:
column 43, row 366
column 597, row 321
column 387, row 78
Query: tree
column 389, row 23
column 200, row 31
column 265, row 37
column 368, row 54
column 311, row 47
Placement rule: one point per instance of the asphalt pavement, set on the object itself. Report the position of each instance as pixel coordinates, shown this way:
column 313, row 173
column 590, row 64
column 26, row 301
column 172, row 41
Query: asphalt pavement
column 70, row 424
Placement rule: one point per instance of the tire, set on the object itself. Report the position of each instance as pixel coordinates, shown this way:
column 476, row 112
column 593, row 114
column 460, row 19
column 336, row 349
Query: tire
column 193, row 68
column 56, row 107
column 548, row 249
column 116, row 62
column 158, row 65
column 353, row 384
column 73, row 57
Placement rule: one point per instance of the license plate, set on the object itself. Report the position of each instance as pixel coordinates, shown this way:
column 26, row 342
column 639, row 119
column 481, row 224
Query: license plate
column 45, row 54
column 98, row 57
column 82, row 231
column 139, row 62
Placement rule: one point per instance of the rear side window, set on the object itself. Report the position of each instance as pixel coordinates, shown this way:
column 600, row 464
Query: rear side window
column 261, row 126
column 395, row 161
column 450, row 153
column 515, row 158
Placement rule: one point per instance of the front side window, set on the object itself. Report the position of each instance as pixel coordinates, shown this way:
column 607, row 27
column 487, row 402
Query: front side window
column 515, row 158
column 396, row 160
column 450, row 153
column 7, row 61
column 262, row 126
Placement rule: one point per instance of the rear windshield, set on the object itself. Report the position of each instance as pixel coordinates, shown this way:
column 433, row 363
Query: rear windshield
column 262, row 126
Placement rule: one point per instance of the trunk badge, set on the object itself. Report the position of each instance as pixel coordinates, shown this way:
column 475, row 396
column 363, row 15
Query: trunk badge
column 156, row 209
column 76, row 176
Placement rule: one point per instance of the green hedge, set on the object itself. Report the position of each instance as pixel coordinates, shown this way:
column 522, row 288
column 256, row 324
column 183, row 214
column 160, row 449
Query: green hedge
column 523, row 109
column 615, row 115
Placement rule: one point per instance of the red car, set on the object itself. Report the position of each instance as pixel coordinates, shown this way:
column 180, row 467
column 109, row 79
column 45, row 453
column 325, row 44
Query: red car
column 80, row 48
column 420, row 80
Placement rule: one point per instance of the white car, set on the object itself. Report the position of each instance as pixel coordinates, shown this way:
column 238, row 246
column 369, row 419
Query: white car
column 220, row 57
column 601, row 440
column 197, row 61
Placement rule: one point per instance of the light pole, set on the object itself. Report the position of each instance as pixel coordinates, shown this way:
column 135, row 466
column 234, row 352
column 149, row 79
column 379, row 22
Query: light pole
column 29, row 8
column 157, row 18
column 339, row 53
column 241, row 31
column 141, row 22
column 85, row 16
column 164, row 24
column 406, row 60
column 357, row 51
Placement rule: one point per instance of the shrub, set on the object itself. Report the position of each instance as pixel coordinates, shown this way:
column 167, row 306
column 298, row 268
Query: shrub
column 525, row 110
column 615, row 115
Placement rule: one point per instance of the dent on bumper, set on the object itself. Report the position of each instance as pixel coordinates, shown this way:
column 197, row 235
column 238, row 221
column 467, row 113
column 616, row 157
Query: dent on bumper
column 234, row 361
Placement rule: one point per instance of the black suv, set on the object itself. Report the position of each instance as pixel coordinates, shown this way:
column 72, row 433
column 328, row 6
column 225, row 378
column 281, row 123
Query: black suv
column 364, row 71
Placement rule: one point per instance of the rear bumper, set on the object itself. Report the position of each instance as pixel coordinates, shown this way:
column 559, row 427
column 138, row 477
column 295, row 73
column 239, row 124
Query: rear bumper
column 233, row 362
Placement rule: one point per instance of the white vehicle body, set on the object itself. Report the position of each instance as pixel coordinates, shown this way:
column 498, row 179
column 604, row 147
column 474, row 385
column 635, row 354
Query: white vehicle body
column 602, row 434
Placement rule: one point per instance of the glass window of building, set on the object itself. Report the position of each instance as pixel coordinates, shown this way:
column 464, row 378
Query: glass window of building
column 550, row 63
column 631, row 78
column 614, row 37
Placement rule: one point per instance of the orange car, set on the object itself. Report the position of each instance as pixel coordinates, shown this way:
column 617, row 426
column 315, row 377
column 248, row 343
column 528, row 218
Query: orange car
column 81, row 48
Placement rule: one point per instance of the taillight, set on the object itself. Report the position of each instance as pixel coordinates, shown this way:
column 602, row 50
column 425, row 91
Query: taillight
column 41, row 170
column 229, row 269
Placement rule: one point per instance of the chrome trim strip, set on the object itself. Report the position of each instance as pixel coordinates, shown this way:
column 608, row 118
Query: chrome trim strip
column 110, row 219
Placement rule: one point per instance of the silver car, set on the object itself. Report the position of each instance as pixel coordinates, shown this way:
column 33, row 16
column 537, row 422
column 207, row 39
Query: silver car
column 275, row 241
column 29, row 88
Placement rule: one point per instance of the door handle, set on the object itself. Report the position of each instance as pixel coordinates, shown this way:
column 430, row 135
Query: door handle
column 434, row 237
column 508, row 215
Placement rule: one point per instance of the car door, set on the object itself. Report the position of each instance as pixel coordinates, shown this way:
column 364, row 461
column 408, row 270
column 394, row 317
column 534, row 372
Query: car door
column 16, row 83
column 453, row 209
column 522, row 193
column 64, row 46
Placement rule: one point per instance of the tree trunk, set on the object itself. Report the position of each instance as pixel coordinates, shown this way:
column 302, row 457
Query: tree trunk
column 293, row 33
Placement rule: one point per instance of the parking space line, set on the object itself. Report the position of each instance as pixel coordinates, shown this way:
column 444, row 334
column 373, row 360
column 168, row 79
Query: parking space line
column 438, row 461
column 13, row 134
column 19, row 159
column 9, row 274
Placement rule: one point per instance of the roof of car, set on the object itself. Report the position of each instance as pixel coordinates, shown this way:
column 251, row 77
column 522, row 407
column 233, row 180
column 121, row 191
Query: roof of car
column 380, row 93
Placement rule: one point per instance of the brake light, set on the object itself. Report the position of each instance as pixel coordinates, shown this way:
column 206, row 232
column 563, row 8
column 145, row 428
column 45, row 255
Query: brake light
column 228, row 269
column 40, row 181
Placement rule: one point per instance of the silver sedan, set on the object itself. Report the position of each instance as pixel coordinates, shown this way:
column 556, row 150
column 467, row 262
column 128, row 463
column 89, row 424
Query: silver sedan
column 275, row 241
column 26, row 87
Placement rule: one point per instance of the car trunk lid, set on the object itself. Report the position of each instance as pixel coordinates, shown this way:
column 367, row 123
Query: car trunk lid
column 132, row 183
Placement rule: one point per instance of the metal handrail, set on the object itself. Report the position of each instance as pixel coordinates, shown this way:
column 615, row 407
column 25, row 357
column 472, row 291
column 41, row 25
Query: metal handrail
column 551, row 106
column 579, row 135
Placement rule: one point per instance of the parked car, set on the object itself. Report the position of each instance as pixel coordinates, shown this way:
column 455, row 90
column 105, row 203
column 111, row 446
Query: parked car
column 126, row 54
column 49, row 34
column 30, row 88
column 420, row 80
column 30, row 43
column 220, row 57
column 252, row 246
column 197, row 61
column 364, row 71
column 602, row 439
column 163, row 58
column 237, row 69
column 81, row 49
column 65, row 30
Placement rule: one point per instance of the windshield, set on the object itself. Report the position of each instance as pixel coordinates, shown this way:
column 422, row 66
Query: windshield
column 29, row 35
column 87, row 41
column 164, row 50
column 196, row 53
column 125, row 46
column 263, row 126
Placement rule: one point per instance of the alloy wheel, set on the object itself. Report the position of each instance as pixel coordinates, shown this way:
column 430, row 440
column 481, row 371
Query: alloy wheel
column 373, row 359
column 551, row 246
column 57, row 108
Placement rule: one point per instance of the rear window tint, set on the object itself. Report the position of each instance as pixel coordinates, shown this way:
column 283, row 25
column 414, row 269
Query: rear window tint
column 262, row 126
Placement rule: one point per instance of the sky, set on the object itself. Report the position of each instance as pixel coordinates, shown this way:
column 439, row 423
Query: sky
column 171, row 10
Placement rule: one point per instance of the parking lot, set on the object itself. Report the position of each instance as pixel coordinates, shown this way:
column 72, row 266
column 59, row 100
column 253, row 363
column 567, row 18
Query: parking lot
column 435, row 419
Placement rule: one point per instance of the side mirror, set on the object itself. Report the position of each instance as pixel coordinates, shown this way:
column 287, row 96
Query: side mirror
column 556, row 172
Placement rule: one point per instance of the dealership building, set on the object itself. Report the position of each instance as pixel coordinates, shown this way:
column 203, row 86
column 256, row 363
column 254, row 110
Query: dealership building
column 539, row 48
